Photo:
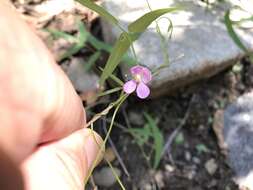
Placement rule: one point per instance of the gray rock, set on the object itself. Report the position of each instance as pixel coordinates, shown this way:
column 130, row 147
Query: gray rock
column 211, row 166
column 199, row 35
column 105, row 177
column 136, row 118
column 238, row 135
column 82, row 80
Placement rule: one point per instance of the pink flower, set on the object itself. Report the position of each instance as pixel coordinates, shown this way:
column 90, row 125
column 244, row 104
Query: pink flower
column 141, row 77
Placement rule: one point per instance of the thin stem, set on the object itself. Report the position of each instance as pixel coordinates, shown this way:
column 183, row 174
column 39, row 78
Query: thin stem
column 104, row 112
column 162, row 39
column 119, row 102
column 115, row 150
column 115, row 175
column 108, row 162
column 109, row 91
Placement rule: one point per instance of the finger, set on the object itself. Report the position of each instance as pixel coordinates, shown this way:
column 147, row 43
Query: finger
column 31, row 82
column 63, row 164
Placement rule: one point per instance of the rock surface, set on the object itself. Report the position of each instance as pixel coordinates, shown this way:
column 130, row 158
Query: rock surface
column 238, row 136
column 199, row 35
column 82, row 80
column 105, row 177
column 211, row 166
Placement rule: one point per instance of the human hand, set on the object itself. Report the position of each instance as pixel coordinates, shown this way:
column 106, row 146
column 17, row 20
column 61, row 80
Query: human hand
column 41, row 115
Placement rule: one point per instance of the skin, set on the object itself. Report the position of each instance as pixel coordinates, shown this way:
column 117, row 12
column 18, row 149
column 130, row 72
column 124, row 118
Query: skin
column 42, row 130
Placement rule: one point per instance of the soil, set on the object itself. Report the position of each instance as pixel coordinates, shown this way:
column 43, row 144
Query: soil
column 183, row 166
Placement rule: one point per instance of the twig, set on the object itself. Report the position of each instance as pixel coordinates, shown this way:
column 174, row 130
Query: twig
column 104, row 112
column 115, row 150
column 93, row 183
column 97, row 116
column 167, row 146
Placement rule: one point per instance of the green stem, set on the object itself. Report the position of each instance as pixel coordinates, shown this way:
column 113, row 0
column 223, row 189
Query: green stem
column 120, row 101
column 162, row 39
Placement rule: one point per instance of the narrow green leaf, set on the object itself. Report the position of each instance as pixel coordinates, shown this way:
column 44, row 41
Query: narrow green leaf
column 83, row 34
column 120, row 48
column 108, row 48
column 232, row 32
column 92, row 60
column 98, row 9
column 114, row 78
column 179, row 139
column 141, row 135
column 100, row 45
column 58, row 34
column 143, row 22
column 158, row 139
column 109, row 91
column 71, row 51
column 79, row 42
column 202, row 148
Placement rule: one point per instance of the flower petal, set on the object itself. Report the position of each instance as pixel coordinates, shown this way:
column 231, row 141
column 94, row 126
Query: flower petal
column 129, row 86
column 136, row 70
column 146, row 75
column 142, row 90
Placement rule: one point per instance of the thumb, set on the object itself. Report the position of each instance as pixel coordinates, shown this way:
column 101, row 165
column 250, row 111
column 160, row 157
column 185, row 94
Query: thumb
column 63, row 164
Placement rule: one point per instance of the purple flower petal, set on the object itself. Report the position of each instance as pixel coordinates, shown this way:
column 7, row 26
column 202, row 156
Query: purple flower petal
column 144, row 72
column 136, row 70
column 129, row 86
column 142, row 90
column 146, row 75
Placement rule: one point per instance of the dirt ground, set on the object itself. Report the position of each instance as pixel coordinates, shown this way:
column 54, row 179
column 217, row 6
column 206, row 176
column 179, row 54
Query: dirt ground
column 183, row 167
column 195, row 163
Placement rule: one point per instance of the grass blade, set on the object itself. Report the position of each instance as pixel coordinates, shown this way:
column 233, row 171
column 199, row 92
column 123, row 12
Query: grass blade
column 100, row 45
column 114, row 78
column 120, row 48
column 92, row 60
column 98, row 9
column 83, row 34
column 109, row 91
column 71, row 51
column 58, row 34
column 158, row 139
column 143, row 22
column 232, row 32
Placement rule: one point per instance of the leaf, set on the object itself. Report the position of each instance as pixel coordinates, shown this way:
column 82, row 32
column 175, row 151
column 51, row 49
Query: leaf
column 109, row 91
column 79, row 42
column 158, row 139
column 100, row 45
column 141, row 134
column 232, row 32
column 92, row 60
column 83, row 34
column 58, row 34
column 202, row 148
column 120, row 48
column 71, row 51
column 143, row 22
column 179, row 139
column 98, row 9
column 114, row 78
